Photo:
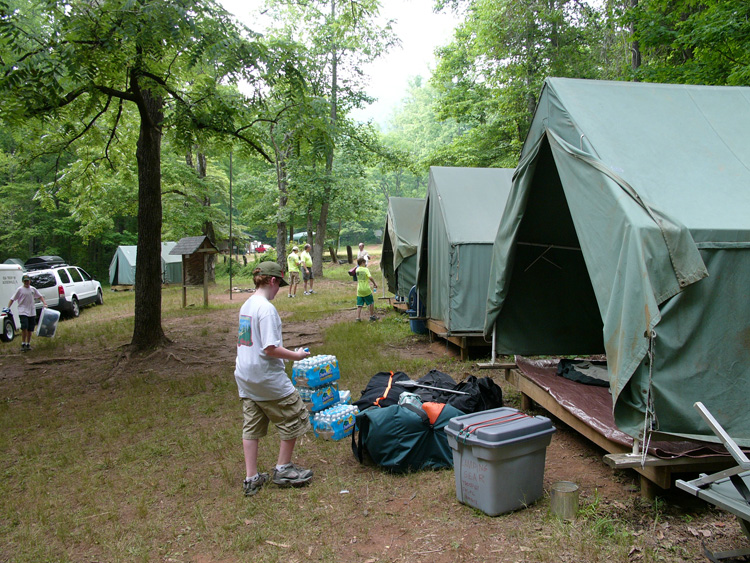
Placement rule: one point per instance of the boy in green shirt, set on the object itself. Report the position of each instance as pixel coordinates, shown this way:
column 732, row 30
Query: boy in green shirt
column 306, row 263
column 364, row 293
column 293, row 262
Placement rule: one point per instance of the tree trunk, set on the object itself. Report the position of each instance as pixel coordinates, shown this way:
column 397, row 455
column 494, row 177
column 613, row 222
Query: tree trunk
column 280, row 157
column 147, row 330
column 320, row 235
column 635, row 48
column 201, row 166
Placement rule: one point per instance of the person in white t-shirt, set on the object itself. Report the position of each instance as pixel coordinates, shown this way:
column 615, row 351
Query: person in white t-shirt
column 363, row 253
column 25, row 296
column 266, row 392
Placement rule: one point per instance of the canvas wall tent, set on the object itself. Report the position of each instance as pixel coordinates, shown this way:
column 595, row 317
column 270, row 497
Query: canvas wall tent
column 171, row 266
column 462, row 213
column 122, row 266
column 399, row 256
column 628, row 231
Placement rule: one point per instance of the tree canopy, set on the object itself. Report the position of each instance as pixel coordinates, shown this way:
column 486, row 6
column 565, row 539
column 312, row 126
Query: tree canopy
column 92, row 72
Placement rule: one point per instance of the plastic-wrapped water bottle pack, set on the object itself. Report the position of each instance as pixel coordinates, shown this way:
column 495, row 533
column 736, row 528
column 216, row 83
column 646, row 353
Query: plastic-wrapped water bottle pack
column 315, row 371
column 336, row 422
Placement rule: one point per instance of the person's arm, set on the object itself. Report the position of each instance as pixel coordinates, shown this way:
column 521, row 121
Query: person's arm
column 372, row 281
column 286, row 354
column 40, row 296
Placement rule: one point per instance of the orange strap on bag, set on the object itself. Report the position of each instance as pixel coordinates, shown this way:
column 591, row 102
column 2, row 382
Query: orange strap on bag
column 387, row 390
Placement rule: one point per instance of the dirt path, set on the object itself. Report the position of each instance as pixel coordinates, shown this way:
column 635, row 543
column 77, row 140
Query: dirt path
column 683, row 522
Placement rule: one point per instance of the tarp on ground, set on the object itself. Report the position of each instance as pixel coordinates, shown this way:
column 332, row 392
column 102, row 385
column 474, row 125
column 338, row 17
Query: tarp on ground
column 399, row 256
column 627, row 231
column 463, row 208
column 122, row 265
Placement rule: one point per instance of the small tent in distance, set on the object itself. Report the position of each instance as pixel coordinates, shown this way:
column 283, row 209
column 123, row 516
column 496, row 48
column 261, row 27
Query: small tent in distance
column 122, row 265
column 462, row 212
column 627, row 231
column 399, row 256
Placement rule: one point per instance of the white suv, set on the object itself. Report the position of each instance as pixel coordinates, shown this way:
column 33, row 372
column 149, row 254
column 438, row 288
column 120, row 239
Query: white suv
column 66, row 288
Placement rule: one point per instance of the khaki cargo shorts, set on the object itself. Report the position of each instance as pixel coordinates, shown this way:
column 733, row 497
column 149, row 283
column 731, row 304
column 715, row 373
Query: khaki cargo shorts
column 293, row 278
column 289, row 415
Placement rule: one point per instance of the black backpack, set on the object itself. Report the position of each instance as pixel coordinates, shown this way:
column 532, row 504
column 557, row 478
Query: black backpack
column 483, row 395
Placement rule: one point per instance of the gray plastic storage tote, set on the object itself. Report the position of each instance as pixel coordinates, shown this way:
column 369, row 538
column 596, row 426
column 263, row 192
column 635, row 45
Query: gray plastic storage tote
column 498, row 458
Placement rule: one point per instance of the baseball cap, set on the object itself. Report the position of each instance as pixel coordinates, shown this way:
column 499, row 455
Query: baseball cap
column 25, row 277
column 295, row 248
column 271, row 268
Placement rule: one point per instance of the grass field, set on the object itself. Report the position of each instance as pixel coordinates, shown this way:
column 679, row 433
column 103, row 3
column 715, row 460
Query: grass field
column 110, row 457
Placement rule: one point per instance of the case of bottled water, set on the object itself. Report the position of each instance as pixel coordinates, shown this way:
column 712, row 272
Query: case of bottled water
column 319, row 398
column 335, row 423
column 315, row 371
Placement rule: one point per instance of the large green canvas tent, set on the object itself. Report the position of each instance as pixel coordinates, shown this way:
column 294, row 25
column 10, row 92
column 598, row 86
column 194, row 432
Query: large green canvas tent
column 122, row 265
column 628, row 231
column 463, row 207
column 399, row 256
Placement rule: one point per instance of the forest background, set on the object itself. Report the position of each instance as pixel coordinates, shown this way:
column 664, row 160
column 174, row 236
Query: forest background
column 132, row 121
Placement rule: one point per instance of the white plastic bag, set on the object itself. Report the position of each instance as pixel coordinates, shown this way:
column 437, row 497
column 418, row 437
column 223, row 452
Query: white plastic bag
column 48, row 322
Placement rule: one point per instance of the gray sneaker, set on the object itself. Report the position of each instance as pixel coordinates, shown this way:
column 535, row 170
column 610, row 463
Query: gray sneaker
column 254, row 485
column 292, row 476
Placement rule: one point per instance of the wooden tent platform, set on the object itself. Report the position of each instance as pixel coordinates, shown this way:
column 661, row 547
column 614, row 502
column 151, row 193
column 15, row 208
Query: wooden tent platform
column 656, row 471
column 464, row 340
column 400, row 306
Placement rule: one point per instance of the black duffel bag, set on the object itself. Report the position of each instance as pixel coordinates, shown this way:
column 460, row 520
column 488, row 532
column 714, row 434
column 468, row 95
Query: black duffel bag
column 382, row 390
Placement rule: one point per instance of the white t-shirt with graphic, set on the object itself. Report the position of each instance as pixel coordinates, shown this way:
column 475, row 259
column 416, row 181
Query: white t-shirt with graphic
column 260, row 377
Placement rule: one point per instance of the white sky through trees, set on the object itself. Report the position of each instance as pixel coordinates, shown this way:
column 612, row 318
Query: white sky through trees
column 420, row 31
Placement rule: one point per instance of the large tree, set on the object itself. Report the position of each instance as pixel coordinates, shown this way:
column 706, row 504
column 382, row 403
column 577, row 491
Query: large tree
column 81, row 64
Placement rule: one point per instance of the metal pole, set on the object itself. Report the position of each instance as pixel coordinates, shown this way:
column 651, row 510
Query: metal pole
column 231, row 245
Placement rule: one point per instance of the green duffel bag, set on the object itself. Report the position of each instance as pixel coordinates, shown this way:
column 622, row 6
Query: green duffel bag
column 402, row 438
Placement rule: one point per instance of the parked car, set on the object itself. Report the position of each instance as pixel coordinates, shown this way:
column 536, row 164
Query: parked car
column 66, row 288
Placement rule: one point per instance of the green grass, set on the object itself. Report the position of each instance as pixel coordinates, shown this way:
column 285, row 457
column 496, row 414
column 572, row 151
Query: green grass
column 144, row 462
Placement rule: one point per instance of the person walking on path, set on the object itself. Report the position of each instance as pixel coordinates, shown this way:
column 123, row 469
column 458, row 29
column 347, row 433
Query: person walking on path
column 25, row 296
column 306, row 264
column 266, row 393
column 293, row 265
column 364, row 293
column 363, row 254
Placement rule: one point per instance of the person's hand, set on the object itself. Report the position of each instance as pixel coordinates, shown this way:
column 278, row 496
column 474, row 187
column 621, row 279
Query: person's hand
column 303, row 353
